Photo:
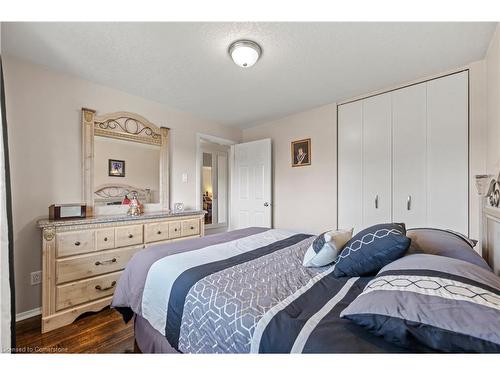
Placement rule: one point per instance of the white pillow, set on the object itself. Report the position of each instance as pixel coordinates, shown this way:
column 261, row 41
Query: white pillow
column 326, row 247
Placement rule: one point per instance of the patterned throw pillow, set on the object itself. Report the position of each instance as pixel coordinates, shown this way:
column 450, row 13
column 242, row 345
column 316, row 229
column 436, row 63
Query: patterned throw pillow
column 447, row 304
column 371, row 249
column 326, row 247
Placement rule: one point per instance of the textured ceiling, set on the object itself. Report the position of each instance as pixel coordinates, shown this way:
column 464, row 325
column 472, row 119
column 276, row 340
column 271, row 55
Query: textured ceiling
column 304, row 65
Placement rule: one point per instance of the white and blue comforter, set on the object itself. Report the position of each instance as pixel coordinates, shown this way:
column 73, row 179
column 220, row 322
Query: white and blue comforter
column 244, row 291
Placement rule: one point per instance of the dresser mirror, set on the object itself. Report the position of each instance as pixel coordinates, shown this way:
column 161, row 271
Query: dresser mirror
column 123, row 153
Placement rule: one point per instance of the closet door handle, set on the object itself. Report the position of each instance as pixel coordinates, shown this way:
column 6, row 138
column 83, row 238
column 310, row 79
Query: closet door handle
column 408, row 203
column 376, row 201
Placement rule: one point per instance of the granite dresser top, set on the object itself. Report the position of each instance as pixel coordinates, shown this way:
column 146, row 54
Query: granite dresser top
column 114, row 218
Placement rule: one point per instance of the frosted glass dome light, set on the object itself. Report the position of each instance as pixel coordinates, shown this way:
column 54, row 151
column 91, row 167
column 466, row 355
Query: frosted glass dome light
column 245, row 53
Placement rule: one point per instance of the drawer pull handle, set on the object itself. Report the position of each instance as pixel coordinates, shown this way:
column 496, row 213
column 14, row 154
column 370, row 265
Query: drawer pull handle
column 77, row 243
column 105, row 239
column 159, row 232
column 104, row 262
column 192, row 228
column 98, row 287
column 175, row 230
column 130, row 235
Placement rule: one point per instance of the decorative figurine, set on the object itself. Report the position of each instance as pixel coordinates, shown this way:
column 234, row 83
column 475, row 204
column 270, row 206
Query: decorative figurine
column 135, row 207
column 125, row 200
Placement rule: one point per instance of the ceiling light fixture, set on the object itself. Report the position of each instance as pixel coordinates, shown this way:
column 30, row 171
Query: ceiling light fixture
column 244, row 53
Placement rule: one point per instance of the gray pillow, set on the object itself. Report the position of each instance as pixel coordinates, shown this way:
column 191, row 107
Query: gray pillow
column 446, row 304
column 445, row 243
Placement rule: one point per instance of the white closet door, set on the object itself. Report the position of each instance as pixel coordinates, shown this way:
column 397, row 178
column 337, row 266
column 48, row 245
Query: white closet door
column 377, row 197
column 409, row 113
column 350, row 165
column 447, row 145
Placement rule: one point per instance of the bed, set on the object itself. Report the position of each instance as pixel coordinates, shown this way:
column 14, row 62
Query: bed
column 215, row 295
column 248, row 291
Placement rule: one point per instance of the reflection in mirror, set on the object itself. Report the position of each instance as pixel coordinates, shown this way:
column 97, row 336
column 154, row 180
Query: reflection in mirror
column 207, row 186
column 122, row 166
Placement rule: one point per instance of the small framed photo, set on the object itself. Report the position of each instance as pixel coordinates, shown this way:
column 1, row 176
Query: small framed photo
column 301, row 153
column 116, row 168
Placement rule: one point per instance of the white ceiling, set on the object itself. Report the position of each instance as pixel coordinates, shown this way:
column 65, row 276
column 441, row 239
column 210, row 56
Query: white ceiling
column 304, row 65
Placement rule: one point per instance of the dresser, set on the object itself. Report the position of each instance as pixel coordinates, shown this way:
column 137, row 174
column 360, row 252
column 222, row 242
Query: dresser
column 83, row 259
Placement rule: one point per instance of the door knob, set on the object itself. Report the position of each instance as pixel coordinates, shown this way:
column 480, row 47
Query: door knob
column 266, row 204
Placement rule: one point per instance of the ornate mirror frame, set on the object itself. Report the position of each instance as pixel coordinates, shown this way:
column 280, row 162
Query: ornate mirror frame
column 128, row 126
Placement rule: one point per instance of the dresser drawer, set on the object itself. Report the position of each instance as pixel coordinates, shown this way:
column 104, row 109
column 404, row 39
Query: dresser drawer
column 71, row 243
column 174, row 229
column 128, row 236
column 105, row 238
column 87, row 290
column 190, row 227
column 155, row 232
column 89, row 265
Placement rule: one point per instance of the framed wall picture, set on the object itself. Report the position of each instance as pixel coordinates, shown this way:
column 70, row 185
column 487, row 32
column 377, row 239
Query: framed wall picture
column 301, row 153
column 116, row 168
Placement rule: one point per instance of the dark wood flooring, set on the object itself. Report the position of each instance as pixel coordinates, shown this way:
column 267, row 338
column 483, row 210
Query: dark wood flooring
column 101, row 332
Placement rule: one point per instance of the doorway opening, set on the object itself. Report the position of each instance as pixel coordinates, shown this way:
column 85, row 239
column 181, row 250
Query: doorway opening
column 214, row 184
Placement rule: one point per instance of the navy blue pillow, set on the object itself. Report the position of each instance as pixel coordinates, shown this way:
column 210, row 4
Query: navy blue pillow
column 371, row 249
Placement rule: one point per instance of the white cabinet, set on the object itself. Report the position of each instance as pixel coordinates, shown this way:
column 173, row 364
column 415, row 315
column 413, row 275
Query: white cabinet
column 447, row 152
column 405, row 153
column 350, row 169
column 377, row 160
column 409, row 156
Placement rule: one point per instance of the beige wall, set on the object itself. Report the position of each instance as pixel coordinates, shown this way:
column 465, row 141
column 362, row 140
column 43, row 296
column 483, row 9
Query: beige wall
column 43, row 112
column 312, row 189
column 304, row 198
column 493, row 112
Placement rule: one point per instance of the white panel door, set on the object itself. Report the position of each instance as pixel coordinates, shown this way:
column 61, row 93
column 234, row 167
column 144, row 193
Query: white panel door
column 377, row 197
column 350, row 165
column 447, row 152
column 409, row 113
column 251, row 181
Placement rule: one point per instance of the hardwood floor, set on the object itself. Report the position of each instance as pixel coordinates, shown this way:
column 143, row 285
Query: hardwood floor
column 101, row 332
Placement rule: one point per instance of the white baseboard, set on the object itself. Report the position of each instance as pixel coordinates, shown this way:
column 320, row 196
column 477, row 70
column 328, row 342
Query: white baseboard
column 28, row 314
